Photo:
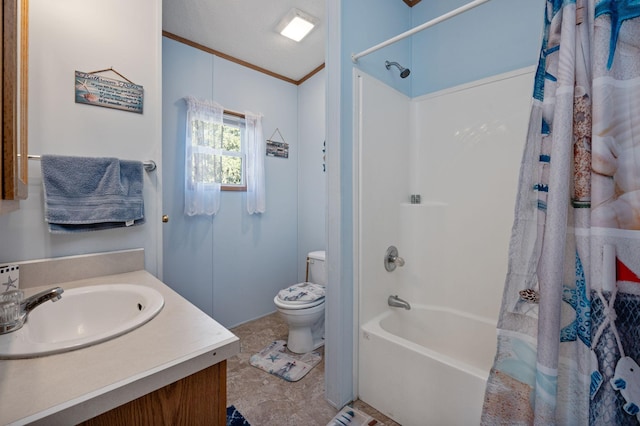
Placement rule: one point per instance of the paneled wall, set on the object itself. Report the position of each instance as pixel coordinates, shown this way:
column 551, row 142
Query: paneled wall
column 312, row 176
column 232, row 265
column 88, row 36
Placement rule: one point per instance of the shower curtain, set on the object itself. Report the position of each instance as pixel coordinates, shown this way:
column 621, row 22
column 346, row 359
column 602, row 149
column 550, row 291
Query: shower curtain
column 569, row 327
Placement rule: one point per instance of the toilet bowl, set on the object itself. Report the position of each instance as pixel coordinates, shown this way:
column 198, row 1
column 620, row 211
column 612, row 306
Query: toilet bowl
column 306, row 325
column 302, row 306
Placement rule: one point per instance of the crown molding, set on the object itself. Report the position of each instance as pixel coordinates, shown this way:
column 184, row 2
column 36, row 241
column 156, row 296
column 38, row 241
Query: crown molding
column 240, row 61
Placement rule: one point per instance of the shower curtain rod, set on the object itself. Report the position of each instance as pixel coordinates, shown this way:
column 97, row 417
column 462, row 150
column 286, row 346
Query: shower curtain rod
column 419, row 28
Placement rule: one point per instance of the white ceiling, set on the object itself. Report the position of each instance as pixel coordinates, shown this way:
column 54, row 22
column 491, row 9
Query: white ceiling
column 245, row 30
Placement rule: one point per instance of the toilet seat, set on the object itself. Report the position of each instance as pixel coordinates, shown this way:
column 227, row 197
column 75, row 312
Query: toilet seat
column 296, row 305
column 300, row 296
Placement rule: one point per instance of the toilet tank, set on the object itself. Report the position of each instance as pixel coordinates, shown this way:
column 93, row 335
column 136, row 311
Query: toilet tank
column 316, row 268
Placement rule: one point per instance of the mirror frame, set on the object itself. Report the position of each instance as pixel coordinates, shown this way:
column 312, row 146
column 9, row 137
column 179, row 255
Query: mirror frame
column 15, row 54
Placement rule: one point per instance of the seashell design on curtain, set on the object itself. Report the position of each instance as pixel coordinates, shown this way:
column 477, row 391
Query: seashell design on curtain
column 569, row 328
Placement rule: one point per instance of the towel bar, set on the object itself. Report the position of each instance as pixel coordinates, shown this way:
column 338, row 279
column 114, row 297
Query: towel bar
column 149, row 165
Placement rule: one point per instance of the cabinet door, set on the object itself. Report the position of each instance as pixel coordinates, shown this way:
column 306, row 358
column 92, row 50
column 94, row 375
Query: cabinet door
column 14, row 99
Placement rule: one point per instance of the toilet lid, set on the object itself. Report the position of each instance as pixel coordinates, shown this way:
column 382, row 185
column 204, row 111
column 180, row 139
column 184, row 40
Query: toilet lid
column 301, row 294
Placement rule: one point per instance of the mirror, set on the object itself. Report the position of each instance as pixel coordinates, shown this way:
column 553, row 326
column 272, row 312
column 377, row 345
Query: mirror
column 15, row 31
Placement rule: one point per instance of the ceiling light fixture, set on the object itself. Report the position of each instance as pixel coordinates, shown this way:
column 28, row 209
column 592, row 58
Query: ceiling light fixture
column 296, row 24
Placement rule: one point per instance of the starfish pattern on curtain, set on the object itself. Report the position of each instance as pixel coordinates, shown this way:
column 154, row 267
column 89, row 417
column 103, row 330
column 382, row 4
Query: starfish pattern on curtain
column 569, row 328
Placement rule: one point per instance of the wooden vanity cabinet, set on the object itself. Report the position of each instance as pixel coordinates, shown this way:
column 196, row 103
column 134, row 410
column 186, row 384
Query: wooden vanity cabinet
column 198, row 399
column 14, row 68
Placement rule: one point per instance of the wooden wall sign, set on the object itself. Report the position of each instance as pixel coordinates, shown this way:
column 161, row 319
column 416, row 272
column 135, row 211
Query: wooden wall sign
column 106, row 92
column 277, row 148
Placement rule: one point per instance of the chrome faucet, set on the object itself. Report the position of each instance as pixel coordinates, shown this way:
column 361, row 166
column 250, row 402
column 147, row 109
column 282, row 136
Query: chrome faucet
column 396, row 302
column 30, row 303
column 15, row 310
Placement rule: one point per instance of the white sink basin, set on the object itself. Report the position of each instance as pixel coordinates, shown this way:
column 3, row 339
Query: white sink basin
column 83, row 317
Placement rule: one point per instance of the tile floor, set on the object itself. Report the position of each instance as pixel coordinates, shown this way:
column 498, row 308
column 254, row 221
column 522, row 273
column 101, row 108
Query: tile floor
column 266, row 400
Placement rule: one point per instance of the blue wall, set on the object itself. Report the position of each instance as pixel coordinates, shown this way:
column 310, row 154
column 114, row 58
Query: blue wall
column 369, row 22
column 231, row 265
column 358, row 24
column 493, row 38
column 365, row 23
column 312, row 178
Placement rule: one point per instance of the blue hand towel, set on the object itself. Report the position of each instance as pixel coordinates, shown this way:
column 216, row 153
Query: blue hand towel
column 89, row 194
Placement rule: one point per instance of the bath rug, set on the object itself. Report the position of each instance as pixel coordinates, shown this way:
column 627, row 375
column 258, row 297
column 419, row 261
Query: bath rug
column 276, row 360
column 234, row 418
column 351, row 417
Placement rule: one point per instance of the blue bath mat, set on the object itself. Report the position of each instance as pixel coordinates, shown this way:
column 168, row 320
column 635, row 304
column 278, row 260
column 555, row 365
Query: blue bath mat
column 234, row 418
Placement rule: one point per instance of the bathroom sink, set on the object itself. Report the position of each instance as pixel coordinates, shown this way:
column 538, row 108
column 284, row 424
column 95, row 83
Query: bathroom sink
column 83, row 316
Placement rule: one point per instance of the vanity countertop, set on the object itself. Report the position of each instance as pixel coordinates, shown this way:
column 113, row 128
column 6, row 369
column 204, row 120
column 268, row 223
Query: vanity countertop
column 73, row 386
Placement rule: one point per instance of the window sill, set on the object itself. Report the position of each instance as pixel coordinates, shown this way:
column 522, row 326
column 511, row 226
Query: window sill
column 233, row 188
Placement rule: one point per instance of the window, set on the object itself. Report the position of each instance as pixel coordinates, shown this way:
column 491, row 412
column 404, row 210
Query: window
column 223, row 151
column 222, row 156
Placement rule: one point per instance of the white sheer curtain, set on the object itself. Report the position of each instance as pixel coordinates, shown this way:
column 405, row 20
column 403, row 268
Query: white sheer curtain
column 201, row 194
column 256, row 151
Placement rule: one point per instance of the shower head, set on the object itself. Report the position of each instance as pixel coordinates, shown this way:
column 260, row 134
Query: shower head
column 404, row 72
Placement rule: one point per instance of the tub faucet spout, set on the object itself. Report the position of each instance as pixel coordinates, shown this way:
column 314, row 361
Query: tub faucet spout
column 396, row 302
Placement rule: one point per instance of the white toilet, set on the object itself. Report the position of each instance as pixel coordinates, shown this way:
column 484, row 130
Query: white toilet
column 302, row 306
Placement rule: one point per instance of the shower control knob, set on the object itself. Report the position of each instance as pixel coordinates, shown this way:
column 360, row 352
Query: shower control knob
column 391, row 259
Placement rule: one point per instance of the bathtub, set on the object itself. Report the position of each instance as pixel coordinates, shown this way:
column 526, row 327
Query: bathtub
column 427, row 366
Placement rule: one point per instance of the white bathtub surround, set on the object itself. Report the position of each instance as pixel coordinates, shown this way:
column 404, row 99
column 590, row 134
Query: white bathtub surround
column 70, row 387
column 460, row 149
